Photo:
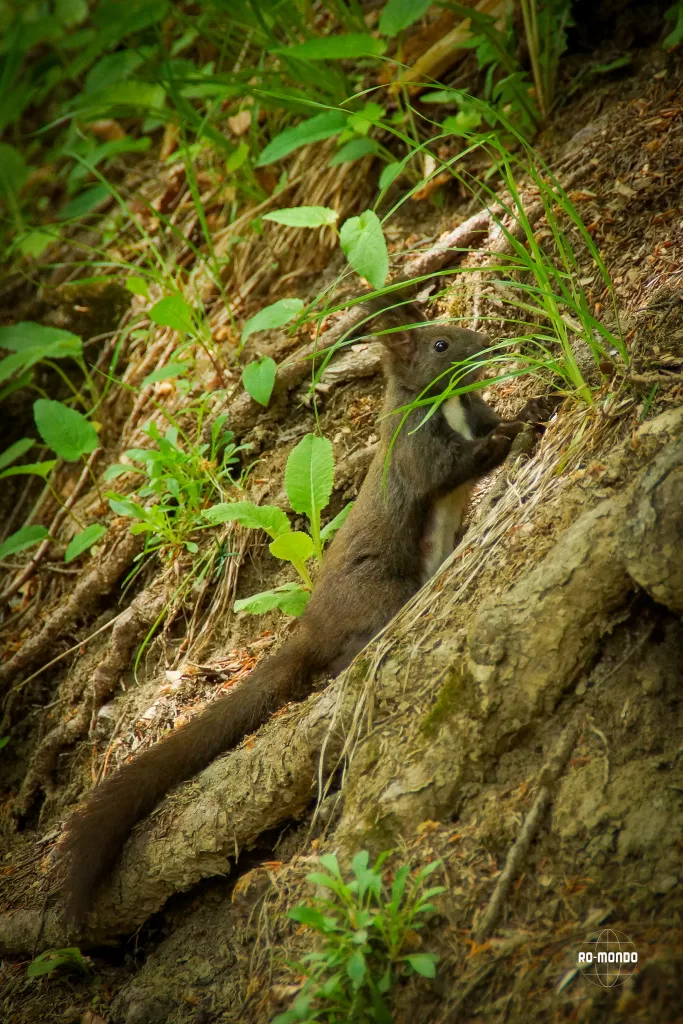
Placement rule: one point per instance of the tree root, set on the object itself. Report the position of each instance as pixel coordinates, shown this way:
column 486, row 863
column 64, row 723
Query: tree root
column 521, row 652
column 127, row 631
column 98, row 582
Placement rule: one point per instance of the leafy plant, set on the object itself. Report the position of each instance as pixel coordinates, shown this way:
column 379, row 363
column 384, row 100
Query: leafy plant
column 179, row 476
column 368, row 942
column 309, row 478
column 70, row 959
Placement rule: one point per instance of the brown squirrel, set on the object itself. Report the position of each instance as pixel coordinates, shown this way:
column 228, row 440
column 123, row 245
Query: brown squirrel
column 399, row 531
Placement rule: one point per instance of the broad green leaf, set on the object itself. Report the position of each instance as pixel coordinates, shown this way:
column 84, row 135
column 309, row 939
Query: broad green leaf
column 15, row 451
column 51, row 959
column 348, row 46
column 309, row 916
column 363, row 243
column 4, row 740
column 674, row 13
column 400, row 14
column 84, row 540
column 139, row 14
column 334, row 524
column 137, row 285
column 71, row 12
column 423, row 963
column 39, row 341
column 329, row 861
column 309, row 475
column 354, row 150
column 304, row 216
column 276, row 315
column 258, row 378
column 85, row 203
column 292, row 547
column 42, row 469
column 389, row 174
column 322, row 126
column 166, row 372
column 173, row 312
column 125, row 507
column 112, row 69
column 255, row 517
column 64, row 430
column 239, row 157
column 466, row 120
column 355, row 968
column 13, row 170
column 22, row 539
column 362, row 120
column 290, row 598
column 36, row 242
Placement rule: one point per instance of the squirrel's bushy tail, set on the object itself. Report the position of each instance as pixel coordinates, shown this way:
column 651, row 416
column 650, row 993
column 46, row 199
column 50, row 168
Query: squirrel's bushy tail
column 96, row 832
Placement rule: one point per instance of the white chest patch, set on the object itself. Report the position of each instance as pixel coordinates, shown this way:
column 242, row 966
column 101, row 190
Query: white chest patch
column 456, row 419
column 446, row 513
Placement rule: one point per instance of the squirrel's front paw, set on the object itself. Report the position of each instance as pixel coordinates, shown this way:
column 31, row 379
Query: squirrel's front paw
column 539, row 410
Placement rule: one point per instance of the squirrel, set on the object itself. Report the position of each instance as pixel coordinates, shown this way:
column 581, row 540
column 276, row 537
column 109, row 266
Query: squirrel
column 400, row 529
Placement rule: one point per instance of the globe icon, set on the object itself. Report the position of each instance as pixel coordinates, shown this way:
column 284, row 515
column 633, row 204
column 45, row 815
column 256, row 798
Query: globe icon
column 607, row 958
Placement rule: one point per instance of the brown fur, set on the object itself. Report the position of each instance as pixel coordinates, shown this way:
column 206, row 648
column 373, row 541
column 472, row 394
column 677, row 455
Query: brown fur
column 373, row 566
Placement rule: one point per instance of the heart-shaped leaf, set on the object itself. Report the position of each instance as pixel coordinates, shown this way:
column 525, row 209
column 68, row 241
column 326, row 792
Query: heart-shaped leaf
column 173, row 312
column 258, row 378
column 364, row 246
column 292, row 547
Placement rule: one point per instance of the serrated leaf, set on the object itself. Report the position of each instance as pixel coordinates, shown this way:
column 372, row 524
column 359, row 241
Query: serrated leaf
column 389, row 174
column 292, row 547
column 174, row 312
column 276, row 315
column 83, row 541
column 289, row 598
column 423, row 963
column 255, row 517
column 137, row 286
column 22, row 539
column 15, row 451
column 303, row 216
column 334, row 524
column 166, row 372
column 362, row 241
column 347, row 46
column 64, row 430
column 400, row 14
column 354, row 150
column 309, row 475
column 322, row 126
column 258, row 378
column 42, row 469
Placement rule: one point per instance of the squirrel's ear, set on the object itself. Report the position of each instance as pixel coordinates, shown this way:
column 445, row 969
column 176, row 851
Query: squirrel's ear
column 401, row 342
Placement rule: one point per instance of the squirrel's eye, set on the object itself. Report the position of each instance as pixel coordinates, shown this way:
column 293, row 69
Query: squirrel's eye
column 441, row 345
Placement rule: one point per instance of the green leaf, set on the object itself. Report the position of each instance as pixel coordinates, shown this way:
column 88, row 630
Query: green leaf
column 400, row 14
column 42, row 469
column 304, row 216
column 36, row 341
column 51, row 959
column 36, row 242
column 363, row 243
column 322, row 126
column 334, row 524
column 239, row 157
column 355, row 968
column 64, row 430
column 276, row 315
column 389, row 174
column 85, row 203
column 166, row 372
column 290, row 598
column 173, row 312
column 329, row 861
column 309, row 475
column 13, row 170
column 137, row 285
column 255, row 517
column 126, row 508
column 309, row 916
column 15, row 451
column 71, row 12
column 354, row 150
column 362, row 120
column 292, row 547
column 466, row 120
column 258, row 378
column 22, row 539
column 342, row 47
column 674, row 13
column 4, row 740
column 424, row 964
column 83, row 541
